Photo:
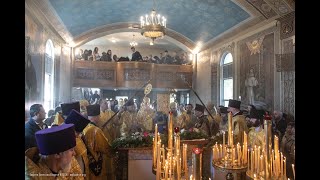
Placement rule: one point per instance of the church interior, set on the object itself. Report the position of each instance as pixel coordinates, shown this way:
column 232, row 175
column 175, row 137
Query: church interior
column 174, row 62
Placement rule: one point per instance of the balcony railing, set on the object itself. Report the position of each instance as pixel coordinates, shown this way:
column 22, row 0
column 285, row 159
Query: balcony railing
column 130, row 75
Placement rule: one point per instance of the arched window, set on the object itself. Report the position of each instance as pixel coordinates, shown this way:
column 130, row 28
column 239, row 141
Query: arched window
column 226, row 80
column 49, row 76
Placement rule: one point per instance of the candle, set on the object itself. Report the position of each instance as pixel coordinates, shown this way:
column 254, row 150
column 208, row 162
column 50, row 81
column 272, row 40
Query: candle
column 163, row 154
column 156, row 130
column 233, row 155
column 281, row 164
column 238, row 153
column 158, row 162
column 220, row 155
column 223, row 142
column 284, row 168
column 252, row 162
column 170, row 129
column 248, row 161
column 243, row 155
column 294, row 173
column 230, row 139
column 276, row 144
column 185, row 160
column 244, row 138
column 166, row 170
column 153, row 153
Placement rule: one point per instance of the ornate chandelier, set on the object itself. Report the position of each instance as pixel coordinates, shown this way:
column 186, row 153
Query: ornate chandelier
column 133, row 43
column 153, row 25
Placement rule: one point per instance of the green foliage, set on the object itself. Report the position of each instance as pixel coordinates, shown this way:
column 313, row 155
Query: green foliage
column 218, row 138
column 134, row 141
column 193, row 134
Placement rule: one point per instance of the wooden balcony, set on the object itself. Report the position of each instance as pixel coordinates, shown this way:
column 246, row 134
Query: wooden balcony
column 130, row 75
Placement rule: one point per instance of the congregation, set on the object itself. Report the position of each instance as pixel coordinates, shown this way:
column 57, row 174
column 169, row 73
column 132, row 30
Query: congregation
column 96, row 125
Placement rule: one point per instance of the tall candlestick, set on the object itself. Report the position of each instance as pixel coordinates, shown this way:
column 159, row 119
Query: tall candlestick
column 158, row 162
column 154, row 153
column 276, row 144
column 230, row 138
column 252, row 161
column 244, row 137
column 223, row 143
column 170, row 129
column 238, row 153
column 281, row 164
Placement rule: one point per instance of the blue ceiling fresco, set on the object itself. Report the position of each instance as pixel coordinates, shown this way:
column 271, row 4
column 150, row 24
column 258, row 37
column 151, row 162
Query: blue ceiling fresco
column 198, row 20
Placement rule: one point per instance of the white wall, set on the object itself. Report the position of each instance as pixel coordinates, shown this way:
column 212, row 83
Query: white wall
column 65, row 76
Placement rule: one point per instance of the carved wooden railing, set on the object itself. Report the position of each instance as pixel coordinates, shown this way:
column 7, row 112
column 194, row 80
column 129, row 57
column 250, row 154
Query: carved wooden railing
column 130, row 74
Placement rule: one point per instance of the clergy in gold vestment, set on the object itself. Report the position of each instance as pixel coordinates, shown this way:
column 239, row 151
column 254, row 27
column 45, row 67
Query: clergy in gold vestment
column 238, row 121
column 58, row 120
column 105, row 115
column 128, row 122
column 145, row 114
column 98, row 147
column 53, row 159
column 80, row 122
column 202, row 122
column 173, row 109
column 256, row 133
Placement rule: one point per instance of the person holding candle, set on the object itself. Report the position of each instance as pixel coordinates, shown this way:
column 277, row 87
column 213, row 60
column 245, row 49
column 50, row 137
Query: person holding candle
column 256, row 133
column 238, row 121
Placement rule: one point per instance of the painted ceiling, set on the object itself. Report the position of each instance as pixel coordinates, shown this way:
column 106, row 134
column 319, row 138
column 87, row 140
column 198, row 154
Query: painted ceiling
column 198, row 20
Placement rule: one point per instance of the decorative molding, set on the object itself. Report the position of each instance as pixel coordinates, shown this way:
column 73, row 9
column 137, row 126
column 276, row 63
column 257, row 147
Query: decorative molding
column 288, row 86
column 255, row 45
column 228, row 47
column 285, row 62
column 105, row 74
column 258, row 35
column 136, row 74
column 288, row 46
column 165, row 76
column 185, row 76
column 263, row 8
column 85, row 73
column 92, row 74
column 214, row 82
column 287, row 25
column 279, row 6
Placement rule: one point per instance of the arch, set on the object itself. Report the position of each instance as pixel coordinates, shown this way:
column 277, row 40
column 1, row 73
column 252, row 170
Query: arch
column 49, row 76
column 226, row 78
column 172, row 36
